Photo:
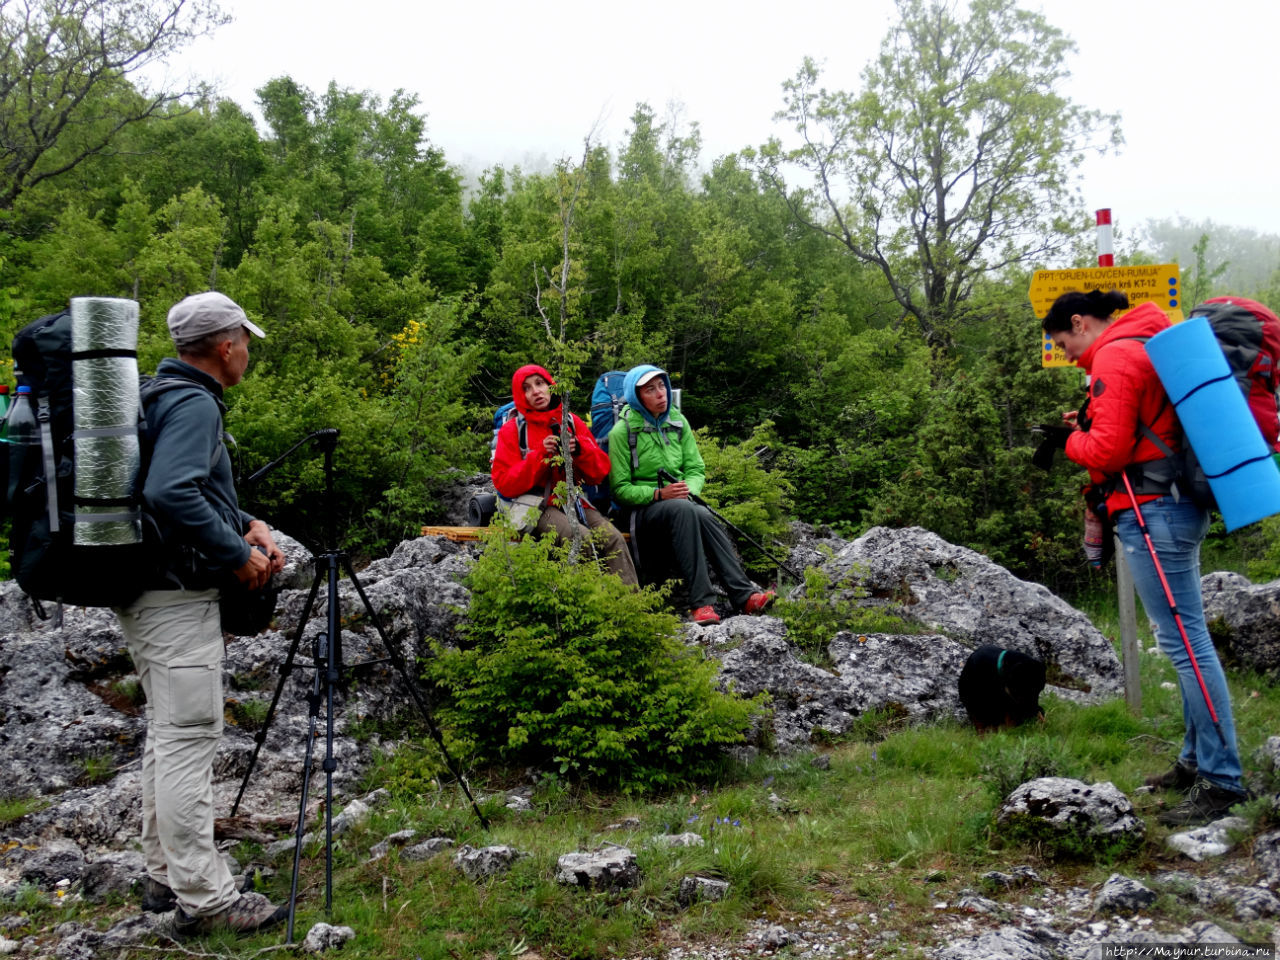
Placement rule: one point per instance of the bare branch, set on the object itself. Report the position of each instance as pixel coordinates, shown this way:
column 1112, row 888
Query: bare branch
column 65, row 68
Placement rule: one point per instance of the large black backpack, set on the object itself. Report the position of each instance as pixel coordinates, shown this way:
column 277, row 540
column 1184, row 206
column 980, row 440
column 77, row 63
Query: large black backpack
column 44, row 505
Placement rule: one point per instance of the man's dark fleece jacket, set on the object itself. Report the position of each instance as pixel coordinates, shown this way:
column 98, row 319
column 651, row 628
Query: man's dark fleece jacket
column 190, row 487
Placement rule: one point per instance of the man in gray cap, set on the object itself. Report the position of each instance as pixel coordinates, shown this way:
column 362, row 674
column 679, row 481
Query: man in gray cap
column 173, row 630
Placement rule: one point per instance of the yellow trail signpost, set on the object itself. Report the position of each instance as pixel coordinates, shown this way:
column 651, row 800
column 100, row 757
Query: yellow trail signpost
column 1160, row 284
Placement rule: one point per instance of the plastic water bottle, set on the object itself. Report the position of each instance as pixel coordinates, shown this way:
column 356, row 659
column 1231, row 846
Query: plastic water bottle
column 4, row 437
column 23, row 434
column 1093, row 534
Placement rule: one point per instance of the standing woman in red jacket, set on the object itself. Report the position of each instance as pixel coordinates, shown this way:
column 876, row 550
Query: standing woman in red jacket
column 1126, row 407
column 533, row 469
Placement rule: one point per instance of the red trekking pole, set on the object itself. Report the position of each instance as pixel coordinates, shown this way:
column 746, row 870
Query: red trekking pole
column 1177, row 617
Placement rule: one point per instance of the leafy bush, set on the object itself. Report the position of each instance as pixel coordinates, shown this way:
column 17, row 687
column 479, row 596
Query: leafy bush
column 752, row 497
column 568, row 667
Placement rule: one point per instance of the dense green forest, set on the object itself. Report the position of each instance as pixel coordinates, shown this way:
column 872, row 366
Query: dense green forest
column 845, row 309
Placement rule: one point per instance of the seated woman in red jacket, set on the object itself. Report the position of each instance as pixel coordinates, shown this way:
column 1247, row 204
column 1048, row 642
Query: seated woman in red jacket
column 525, row 464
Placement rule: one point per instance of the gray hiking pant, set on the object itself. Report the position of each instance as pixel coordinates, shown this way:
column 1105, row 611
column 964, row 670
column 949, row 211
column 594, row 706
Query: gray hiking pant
column 175, row 639
column 682, row 536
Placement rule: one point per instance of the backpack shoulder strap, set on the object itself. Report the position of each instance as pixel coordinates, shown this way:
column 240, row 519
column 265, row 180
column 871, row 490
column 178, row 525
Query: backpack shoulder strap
column 152, row 388
column 44, row 421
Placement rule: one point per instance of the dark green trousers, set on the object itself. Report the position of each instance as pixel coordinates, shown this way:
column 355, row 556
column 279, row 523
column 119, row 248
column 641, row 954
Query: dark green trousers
column 680, row 538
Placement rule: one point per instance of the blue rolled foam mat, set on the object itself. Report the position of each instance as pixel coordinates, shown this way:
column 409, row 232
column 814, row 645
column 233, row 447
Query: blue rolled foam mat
column 1216, row 419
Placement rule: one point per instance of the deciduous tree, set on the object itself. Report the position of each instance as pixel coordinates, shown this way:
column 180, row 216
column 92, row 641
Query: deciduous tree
column 957, row 159
column 65, row 69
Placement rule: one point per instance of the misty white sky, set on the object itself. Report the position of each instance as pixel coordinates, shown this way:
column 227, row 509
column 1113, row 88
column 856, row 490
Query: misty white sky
column 519, row 82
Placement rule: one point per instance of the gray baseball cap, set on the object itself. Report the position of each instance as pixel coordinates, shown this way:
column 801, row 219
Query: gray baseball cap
column 204, row 313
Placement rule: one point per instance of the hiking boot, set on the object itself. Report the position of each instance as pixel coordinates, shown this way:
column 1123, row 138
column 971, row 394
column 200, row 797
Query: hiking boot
column 250, row 913
column 704, row 615
column 1205, row 803
column 759, row 602
column 1178, row 777
column 157, row 898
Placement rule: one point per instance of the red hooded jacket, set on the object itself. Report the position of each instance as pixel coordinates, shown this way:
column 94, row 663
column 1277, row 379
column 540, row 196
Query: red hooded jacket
column 1124, row 392
column 514, row 475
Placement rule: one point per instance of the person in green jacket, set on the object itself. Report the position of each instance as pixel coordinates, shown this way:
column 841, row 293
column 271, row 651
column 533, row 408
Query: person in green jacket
column 676, row 536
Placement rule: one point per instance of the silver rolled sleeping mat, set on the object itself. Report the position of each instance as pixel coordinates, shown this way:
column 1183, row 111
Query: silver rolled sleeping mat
column 105, row 406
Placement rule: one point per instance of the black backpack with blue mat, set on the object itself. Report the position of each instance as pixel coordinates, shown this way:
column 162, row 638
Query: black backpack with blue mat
column 45, row 504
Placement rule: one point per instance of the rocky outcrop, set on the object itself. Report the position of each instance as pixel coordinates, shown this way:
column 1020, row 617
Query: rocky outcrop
column 960, row 593
column 1244, row 619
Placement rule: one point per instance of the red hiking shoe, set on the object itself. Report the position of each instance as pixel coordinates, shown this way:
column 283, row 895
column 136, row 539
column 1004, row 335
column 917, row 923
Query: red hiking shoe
column 705, row 615
column 759, row 602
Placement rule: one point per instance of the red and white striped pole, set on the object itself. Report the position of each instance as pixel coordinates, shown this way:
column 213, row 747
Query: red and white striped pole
column 1106, row 253
column 1130, row 652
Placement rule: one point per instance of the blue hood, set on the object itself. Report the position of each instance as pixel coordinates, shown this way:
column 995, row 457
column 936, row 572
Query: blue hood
column 633, row 400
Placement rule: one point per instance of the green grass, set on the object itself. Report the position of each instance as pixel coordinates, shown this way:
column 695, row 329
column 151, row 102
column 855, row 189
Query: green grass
column 15, row 808
column 901, row 815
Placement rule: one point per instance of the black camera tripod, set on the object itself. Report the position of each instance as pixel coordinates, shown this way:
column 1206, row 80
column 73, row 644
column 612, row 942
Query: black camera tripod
column 329, row 667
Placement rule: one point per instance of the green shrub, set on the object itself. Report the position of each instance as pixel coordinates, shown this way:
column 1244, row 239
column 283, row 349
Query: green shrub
column 750, row 495
column 567, row 668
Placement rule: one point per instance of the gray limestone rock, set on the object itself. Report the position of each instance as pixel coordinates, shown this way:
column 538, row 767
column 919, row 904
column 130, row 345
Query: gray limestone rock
column 756, row 657
column 701, row 890
column 1266, row 853
column 773, row 937
column 119, row 872
column 1244, row 619
column 398, row 839
column 427, row 849
column 1121, row 894
column 324, row 937
column 915, row 675
column 57, row 707
column 56, row 860
column 138, row 929
column 958, row 592
column 477, row 864
column 456, row 496
column 1246, row 902
column 1006, row 943
column 106, row 815
column 610, row 868
column 80, row 944
column 1211, row 840
column 1072, row 815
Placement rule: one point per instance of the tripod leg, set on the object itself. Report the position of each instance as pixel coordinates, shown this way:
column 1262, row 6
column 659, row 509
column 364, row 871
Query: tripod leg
column 332, row 678
column 419, row 698
column 313, row 712
column 261, row 736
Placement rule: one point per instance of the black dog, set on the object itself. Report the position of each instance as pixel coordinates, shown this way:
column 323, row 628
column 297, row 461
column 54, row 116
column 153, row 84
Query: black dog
column 1001, row 687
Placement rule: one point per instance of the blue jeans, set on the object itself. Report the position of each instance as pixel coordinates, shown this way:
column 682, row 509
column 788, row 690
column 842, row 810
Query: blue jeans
column 1177, row 530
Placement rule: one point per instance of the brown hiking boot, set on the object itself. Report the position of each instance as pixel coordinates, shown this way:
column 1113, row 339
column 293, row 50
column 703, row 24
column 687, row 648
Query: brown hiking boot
column 1178, row 777
column 249, row 913
column 1205, row 803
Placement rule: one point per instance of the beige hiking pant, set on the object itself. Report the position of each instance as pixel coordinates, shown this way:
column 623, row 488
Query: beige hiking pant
column 175, row 639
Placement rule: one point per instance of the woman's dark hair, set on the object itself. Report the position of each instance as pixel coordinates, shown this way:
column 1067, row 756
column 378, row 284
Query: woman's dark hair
column 1095, row 303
